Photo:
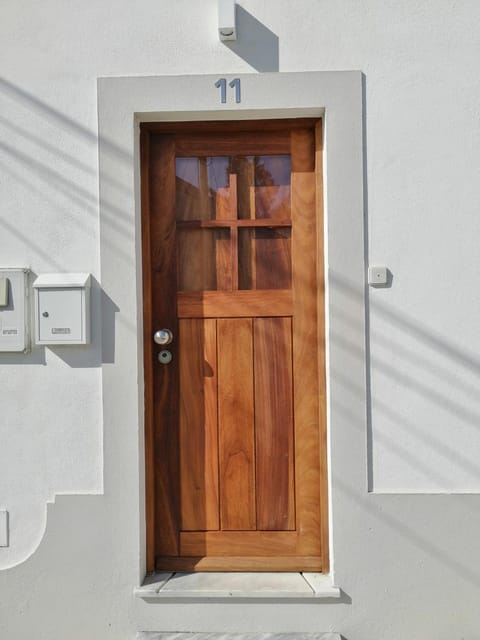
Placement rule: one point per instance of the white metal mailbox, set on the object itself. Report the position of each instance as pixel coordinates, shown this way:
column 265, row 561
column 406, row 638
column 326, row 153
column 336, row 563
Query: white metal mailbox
column 14, row 314
column 62, row 308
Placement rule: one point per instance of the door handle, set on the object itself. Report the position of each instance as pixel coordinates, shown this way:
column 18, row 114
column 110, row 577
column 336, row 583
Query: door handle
column 163, row 336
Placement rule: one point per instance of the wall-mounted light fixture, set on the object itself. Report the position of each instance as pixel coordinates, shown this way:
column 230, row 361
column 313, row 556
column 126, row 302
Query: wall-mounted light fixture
column 227, row 27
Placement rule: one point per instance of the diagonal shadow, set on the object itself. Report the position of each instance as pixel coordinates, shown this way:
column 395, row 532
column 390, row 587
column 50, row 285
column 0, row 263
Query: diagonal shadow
column 425, row 544
column 409, row 356
column 255, row 43
column 413, row 384
column 57, row 182
column 411, row 325
column 409, row 380
column 395, row 417
column 59, row 153
column 57, row 117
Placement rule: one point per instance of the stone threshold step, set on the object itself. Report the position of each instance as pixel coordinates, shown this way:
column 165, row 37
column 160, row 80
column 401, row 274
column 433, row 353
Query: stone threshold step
column 237, row 585
column 153, row 635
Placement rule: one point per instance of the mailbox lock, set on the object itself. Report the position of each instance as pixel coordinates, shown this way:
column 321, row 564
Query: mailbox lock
column 45, row 314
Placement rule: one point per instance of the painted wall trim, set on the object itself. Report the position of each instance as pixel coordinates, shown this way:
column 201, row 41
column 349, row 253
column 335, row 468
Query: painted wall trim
column 125, row 102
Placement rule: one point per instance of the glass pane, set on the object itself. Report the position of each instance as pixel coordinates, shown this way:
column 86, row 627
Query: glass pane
column 202, row 188
column 263, row 186
column 264, row 258
column 204, row 259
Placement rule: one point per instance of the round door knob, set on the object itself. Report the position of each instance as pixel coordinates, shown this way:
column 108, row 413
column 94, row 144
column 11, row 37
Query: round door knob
column 165, row 356
column 163, row 336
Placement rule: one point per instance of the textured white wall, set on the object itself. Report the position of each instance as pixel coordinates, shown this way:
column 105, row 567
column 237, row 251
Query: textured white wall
column 422, row 107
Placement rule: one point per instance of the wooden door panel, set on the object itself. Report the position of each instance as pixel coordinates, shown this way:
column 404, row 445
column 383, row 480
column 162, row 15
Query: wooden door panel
column 305, row 342
column 235, row 143
column 165, row 389
column 237, row 419
column 274, row 424
column 240, row 563
column 238, row 304
column 225, row 543
column 198, row 425
column 236, row 424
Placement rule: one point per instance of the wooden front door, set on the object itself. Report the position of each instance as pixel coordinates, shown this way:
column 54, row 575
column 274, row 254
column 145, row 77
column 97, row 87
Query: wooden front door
column 235, row 434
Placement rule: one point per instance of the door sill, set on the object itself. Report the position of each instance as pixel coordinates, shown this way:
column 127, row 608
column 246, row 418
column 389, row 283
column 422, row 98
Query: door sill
column 228, row 585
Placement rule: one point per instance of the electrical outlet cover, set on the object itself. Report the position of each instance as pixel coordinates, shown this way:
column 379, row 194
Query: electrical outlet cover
column 377, row 275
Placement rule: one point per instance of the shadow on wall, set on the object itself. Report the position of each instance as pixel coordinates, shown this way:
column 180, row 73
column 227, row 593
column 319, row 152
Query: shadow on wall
column 48, row 178
column 100, row 351
column 52, row 184
column 420, row 372
column 255, row 43
column 430, row 357
column 102, row 348
column 425, row 366
column 42, row 169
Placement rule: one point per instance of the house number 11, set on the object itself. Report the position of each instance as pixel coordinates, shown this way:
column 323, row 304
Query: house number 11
column 221, row 84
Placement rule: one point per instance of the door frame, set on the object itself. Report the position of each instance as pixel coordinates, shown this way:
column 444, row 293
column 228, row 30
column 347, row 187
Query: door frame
column 151, row 456
column 124, row 102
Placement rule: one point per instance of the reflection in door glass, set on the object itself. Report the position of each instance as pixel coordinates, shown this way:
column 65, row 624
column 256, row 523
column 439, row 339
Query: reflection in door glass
column 204, row 259
column 201, row 187
column 264, row 258
column 263, row 187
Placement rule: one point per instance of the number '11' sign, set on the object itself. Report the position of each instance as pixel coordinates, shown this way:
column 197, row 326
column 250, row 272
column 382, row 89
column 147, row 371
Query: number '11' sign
column 221, row 84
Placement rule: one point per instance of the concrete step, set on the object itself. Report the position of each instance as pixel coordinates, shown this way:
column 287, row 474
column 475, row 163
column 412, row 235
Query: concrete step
column 154, row 635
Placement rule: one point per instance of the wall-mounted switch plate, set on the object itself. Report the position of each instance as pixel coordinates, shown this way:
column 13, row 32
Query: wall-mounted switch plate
column 377, row 275
column 3, row 528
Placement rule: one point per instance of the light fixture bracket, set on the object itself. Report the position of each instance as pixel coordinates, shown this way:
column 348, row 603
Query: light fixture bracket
column 227, row 26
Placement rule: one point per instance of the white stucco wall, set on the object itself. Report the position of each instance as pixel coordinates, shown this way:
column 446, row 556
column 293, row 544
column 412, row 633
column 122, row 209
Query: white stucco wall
column 411, row 563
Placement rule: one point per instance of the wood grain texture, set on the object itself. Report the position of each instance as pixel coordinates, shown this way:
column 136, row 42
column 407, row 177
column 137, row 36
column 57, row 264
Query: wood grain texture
column 147, row 352
column 224, row 268
column 225, row 246
column 234, row 231
column 324, row 516
column 203, row 546
column 226, row 200
column 229, row 126
column 232, row 543
column 245, row 170
column 239, row 304
column 232, row 144
column 198, row 425
column 274, row 424
column 305, row 343
column 237, row 563
column 236, row 424
column 165, row 383
column 214, row 224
